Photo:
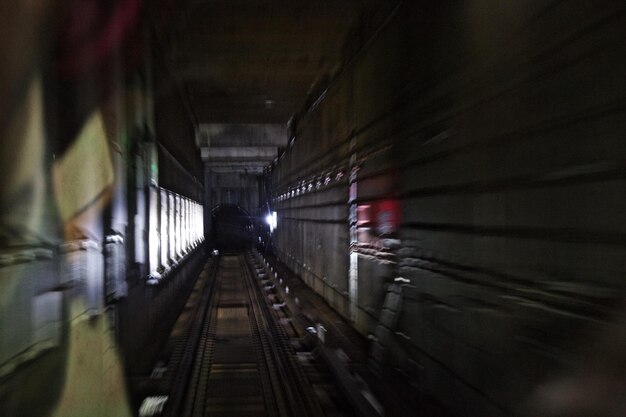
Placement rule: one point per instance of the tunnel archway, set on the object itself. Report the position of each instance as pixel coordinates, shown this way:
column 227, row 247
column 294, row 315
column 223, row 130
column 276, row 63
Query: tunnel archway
column 233, row 227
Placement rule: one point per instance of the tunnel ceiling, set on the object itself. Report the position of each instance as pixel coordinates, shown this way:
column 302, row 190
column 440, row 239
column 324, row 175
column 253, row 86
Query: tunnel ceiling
column 246, row 66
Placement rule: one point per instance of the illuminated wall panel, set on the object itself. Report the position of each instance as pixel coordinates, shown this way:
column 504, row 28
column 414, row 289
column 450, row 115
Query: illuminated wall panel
column 178, row 217
column 172, row 226
column 164, row 228
column 154, row 230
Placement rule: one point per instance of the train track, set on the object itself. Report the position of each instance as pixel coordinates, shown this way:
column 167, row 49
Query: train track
column 236, row 355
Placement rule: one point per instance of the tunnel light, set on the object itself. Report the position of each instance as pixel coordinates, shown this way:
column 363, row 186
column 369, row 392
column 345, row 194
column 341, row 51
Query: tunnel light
column 164, row 231
column 154, row 239
column 272, row 220
column 172, row 226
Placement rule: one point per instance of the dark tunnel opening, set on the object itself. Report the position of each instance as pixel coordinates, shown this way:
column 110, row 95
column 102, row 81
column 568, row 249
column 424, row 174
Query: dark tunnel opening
column 233, row 227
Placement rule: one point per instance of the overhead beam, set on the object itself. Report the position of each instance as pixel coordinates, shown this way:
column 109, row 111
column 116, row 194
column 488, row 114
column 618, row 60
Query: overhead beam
column 236, row 164
column 244, row 167
column 237, row 170
column 242, row 114
column 241, row 134
column 234, row 153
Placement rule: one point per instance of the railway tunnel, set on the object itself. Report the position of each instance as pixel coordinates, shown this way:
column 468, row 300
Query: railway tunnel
column 313, row 208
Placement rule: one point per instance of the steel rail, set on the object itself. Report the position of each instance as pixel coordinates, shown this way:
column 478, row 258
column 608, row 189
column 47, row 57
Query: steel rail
column 186, row 350
column 293, row 385
column 283, row 388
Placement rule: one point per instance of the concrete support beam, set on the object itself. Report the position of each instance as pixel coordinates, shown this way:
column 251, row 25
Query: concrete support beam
column 236, row 164
column 241, row 134
column 237, row 170
column 234, row 153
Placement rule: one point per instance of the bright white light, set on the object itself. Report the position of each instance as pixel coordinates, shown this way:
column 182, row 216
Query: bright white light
column 153, row 237
column 164, row 227
column 272, row 221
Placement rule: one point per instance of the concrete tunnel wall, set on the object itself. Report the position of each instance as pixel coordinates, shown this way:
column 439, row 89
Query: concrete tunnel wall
column 498, row 127
column 234, row 188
